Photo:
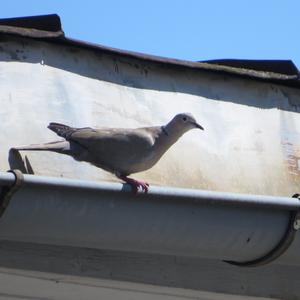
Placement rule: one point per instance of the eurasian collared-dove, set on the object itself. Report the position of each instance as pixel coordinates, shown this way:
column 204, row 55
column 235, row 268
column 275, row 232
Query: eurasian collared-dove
column 118, row 150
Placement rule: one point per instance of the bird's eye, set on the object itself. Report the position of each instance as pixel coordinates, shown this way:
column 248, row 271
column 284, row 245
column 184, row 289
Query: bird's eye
column 184, row 119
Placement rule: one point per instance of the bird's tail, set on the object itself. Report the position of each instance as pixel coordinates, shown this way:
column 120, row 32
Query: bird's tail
column 61, row 129
column 59, row 146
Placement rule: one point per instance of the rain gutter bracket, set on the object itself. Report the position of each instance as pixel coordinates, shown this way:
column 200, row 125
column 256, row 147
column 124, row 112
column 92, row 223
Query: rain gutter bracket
column 281, row 247
column 8, row 191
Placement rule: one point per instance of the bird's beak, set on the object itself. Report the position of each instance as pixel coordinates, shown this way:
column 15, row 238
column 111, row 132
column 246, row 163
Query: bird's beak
column 198, row 126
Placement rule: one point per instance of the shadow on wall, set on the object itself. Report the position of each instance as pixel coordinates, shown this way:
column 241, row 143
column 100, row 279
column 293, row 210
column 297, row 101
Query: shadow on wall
column 16, row 161
column 139, row 74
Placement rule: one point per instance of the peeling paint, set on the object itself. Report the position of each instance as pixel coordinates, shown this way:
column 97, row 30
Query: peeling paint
column 292, row 159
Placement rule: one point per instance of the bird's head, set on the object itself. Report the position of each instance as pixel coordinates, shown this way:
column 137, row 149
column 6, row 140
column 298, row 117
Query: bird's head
column 180, row 124
column 185, row 121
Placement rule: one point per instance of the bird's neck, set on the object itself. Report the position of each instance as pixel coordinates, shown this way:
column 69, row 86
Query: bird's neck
column 171, row 133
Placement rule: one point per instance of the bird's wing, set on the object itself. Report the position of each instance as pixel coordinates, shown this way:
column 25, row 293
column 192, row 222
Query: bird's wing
column 115, row 149
column 112, row 137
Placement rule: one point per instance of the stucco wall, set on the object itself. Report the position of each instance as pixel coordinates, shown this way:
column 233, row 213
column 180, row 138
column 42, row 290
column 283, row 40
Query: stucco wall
column 250, row 143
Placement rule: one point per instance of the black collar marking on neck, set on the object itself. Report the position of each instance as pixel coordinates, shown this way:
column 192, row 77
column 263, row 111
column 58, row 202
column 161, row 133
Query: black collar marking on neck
column 164, row 130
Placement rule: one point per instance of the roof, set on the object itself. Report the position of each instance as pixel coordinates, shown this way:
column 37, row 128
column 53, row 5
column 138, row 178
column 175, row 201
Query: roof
column 48, row 28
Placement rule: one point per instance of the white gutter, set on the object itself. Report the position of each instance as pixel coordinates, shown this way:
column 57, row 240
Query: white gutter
column 174, row 221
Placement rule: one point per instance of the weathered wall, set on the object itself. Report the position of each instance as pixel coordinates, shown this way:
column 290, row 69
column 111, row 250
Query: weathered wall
column 250, row 143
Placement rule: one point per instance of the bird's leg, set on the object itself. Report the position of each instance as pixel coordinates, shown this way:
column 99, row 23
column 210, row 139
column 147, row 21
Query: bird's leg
column 135, row 184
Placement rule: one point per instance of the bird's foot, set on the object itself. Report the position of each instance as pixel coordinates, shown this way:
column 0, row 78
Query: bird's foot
column 136, row 184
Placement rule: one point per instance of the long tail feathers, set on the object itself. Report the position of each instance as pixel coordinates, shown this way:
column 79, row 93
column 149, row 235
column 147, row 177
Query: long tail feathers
column 59, row 146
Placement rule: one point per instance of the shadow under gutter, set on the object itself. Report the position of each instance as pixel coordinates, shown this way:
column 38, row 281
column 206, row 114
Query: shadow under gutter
column 241, row 229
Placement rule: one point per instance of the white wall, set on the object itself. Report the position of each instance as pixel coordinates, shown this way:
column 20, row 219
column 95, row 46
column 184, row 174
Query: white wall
column 250, row 143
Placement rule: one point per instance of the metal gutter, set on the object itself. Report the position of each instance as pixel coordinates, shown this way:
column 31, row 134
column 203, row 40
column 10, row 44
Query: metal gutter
column 8, row 190
column 174, row 221
column 159, row 193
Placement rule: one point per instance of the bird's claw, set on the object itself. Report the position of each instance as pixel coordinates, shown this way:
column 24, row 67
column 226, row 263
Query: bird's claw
column 136, row 184
column 143, row 185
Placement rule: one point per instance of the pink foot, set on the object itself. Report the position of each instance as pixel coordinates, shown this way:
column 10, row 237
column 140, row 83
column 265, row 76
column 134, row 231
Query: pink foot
column 136, row 184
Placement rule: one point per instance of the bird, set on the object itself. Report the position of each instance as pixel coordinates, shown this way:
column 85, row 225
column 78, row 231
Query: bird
column 120, row 151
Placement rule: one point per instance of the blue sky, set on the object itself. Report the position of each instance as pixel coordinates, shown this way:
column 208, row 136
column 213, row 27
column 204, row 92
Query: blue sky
column 186, row 29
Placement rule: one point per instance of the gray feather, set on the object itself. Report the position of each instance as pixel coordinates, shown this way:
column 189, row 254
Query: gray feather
column 118, row 150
